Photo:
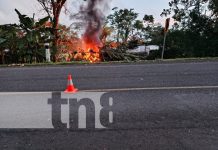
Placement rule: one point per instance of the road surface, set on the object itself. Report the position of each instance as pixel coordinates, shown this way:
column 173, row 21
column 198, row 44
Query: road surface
column 156, row 106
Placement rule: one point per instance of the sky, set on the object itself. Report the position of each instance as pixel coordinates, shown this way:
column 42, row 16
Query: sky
column 28, row 7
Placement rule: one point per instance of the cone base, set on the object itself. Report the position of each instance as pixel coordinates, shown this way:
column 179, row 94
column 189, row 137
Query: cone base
column 71, row 91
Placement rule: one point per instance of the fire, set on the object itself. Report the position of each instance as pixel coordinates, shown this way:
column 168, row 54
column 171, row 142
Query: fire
column 89, row 52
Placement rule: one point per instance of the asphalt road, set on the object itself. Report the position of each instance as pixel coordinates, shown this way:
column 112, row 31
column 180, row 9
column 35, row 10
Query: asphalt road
column 156, row 106
column 109, row 76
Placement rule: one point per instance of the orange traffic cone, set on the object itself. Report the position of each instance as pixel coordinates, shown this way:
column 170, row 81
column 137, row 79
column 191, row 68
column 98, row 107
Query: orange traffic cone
column 70, row 86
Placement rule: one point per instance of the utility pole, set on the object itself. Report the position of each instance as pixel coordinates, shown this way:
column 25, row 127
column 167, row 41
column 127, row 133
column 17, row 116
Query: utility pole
column 165, row 36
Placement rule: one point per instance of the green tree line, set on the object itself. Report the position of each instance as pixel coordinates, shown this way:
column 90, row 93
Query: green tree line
column 194, row 32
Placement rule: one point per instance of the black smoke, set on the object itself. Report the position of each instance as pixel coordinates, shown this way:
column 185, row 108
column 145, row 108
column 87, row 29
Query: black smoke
column 94, row 16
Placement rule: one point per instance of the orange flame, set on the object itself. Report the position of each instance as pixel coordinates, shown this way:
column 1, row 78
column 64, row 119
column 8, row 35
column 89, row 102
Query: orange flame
column 89, row 52
column 92, row 52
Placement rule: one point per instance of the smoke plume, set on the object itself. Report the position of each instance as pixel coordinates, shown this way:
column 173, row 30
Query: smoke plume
column 94, row 15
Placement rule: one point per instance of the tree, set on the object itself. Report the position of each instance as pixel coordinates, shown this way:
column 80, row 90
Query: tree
column 198, row 19
column 139, row 27
column 148, row 18
column 106, row 31
column 68, row 43
column 8, row 40
column 53, row 9
column 33, row 34
column 122, row 21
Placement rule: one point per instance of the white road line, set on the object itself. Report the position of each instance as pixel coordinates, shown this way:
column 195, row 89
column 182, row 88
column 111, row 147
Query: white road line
column 22, row 93
column 153, row 88
column 120, row 89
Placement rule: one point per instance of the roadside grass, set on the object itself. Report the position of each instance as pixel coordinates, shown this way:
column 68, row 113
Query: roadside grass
column 177, row 60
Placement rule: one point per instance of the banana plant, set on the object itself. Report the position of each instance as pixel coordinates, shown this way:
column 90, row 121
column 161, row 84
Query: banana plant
column 34, row 35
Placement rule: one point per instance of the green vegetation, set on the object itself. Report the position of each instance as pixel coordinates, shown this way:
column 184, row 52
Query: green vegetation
column 193, row 34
